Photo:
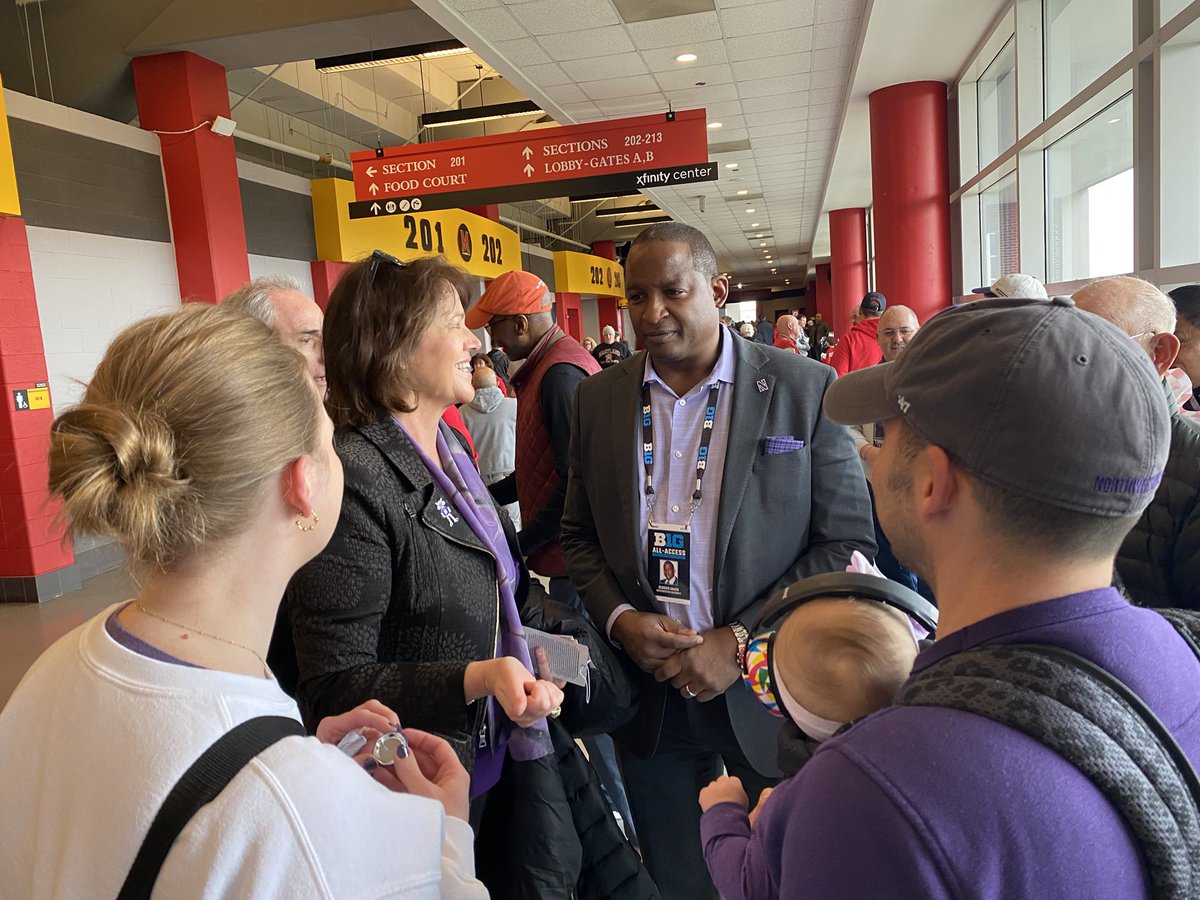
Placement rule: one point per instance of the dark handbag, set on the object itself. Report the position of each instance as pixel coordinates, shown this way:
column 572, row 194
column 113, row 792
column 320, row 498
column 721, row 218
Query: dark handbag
column 197, row 787
column 610, row 698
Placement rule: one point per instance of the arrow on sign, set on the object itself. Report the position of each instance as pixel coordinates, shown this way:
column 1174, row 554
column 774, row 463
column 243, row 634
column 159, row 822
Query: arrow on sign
column 375, row 208
column 528, row 170
column 370, row 171
column 374, row 189
column 527, row 153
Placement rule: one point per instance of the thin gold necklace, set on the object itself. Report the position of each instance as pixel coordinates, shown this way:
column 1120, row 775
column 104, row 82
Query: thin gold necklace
column 215, row 637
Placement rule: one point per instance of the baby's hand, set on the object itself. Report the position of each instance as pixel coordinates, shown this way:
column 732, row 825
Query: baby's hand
column 762, row 799
column 726, row 789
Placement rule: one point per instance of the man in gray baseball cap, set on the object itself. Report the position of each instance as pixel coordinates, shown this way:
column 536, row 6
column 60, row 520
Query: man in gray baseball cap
column 996, row 486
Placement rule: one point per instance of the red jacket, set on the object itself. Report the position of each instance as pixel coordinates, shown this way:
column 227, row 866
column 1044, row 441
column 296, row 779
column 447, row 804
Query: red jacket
column 537, row 478
column 858, row 348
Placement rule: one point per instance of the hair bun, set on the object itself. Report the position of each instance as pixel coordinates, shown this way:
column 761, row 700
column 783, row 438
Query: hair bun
column 118, row 474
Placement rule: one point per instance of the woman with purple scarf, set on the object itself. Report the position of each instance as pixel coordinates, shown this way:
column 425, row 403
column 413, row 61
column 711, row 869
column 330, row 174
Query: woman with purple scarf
column 417, row 599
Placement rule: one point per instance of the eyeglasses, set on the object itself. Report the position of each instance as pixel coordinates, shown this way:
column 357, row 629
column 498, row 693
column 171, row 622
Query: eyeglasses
column 1138, row 337
column 377, row 257
column 491, row 323
column 903, row 332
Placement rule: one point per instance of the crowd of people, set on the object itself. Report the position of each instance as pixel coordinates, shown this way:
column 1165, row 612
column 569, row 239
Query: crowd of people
column 365, row 548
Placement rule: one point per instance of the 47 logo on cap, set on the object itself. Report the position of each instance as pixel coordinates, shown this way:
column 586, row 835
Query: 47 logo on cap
column 903, row 404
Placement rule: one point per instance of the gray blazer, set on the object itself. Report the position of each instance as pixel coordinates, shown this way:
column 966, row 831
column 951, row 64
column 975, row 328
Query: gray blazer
column 782, row 516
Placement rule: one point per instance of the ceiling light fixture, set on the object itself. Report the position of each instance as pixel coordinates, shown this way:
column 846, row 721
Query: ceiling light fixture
column 750, row 210
column 715, row 125
column 651, row 221
column 479, row 114
column 763, row 244
column 731, row 165
column 391, row 56
column 627, row 210
column 742, row 193
column 686, row 58
column 754, row 224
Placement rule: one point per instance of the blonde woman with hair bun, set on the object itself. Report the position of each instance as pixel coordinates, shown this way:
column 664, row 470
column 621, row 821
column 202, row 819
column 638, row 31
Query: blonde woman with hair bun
column 201, row 446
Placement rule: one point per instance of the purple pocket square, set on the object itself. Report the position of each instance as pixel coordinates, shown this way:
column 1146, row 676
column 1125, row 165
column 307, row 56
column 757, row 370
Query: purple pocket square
column 782, row 443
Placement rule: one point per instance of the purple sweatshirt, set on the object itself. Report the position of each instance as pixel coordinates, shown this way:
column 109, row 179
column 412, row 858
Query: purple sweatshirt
column 936, row 803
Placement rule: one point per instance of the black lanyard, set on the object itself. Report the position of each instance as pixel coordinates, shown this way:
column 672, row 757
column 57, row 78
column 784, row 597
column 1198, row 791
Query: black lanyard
column 710, row 416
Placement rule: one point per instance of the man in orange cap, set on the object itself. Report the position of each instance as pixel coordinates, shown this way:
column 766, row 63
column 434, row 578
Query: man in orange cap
column 517, row 311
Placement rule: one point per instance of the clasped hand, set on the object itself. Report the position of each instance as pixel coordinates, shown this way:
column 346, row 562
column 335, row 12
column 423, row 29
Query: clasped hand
column 523, row 697
column 701, row 665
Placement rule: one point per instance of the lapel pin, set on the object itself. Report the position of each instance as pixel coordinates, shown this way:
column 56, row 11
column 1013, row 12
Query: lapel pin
column 762, row 385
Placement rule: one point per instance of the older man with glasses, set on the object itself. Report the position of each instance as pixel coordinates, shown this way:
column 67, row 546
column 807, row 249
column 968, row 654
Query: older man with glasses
column 1159, row 561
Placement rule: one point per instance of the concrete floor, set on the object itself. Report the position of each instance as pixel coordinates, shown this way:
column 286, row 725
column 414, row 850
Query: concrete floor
column 26, row 629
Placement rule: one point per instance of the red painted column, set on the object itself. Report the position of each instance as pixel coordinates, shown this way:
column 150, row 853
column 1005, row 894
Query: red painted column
column 848, row 265
column 175, row 92
column 491, row 211
column 823, row 290
column 607, row 308
column 568, row 312
column 325, row 275
column 30, row 544
column 910, row 183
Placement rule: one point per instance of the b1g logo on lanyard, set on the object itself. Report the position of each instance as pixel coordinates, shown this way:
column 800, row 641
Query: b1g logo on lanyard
column 668, row 553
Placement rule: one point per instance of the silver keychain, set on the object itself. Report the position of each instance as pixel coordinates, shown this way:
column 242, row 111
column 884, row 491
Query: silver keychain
column 389, row 748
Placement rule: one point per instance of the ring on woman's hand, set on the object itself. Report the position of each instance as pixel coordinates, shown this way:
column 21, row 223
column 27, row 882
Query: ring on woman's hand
column 556, row 712
column 688, row 692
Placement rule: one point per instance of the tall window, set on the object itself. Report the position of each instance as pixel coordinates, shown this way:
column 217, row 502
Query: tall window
column 1089, row 197
column 1083, row 38
column 1179, row 148
column 997, row 104
column 999, row 229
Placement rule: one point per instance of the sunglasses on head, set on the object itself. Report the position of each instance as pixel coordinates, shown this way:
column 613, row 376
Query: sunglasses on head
column 377, row 257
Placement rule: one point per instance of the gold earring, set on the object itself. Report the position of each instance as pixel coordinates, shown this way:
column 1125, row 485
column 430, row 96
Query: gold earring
column 315, row 519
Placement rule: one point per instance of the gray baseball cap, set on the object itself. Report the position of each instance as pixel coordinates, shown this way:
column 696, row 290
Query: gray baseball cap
column 1040, row 398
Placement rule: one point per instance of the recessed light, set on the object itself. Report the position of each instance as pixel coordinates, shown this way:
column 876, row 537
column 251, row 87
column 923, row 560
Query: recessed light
column 750, row 210
column 714, row 125
column 754, row 224
column 739, row 285
column 686, row 57
column 787, row 281
column 760, row 235
column 763, row 244
column 731, row 165
column 1114, row 121
column 742, row 193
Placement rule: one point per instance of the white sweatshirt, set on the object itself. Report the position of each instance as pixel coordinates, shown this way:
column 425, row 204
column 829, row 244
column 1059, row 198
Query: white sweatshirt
column 96, row 735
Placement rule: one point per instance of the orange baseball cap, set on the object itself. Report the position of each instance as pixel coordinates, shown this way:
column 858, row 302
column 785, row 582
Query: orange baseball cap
column 512, row 294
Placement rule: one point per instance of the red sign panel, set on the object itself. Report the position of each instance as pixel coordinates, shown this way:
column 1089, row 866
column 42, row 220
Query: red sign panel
column 531, row 157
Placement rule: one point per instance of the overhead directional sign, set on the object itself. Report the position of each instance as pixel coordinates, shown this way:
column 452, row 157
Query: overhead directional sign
column 622, row 154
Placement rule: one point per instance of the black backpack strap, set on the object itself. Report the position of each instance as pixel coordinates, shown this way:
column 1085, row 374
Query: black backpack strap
column 199, row 785
column 1187, row 623
column 1095, row 722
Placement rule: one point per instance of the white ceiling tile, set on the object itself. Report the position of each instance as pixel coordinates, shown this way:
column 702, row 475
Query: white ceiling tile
column 690, row 29
column 759, row 18
column 465, row 5
column 523, row 52
column 774, row 141
column 496, row 24
column 824, row 78
column 688, row 77
column 640, row 105
column 819, row 124
column 835, row 10
column 582, row 112
column 602, row 67
column 586, row 44
column 797, row 113
column 619, row 87
column 771, row 43
column 791, row 99
column 695, row 97
column 662, row 59
column 823, row 110
column 763, row 87
column 729, row 124
column 832, row 57
column 779, row 128
column 794, row 64
column 763, row 152
column 724, row 109
column 836, row 34
column 826, row 95
column 556, row 16
column 568, row 93
column 546, row 76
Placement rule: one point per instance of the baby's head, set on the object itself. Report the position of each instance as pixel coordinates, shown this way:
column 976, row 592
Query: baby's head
column 836, row 659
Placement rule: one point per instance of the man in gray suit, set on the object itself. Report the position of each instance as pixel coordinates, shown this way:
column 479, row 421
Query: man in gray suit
column 714, row 453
